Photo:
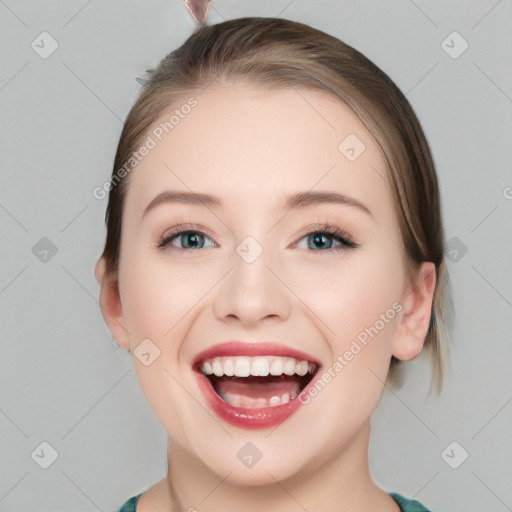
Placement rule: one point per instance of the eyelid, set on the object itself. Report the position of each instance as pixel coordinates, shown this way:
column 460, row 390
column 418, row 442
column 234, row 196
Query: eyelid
column 331, row 228
column 187, row 226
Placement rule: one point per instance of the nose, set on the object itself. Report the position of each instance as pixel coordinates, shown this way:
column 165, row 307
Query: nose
column 252, row 292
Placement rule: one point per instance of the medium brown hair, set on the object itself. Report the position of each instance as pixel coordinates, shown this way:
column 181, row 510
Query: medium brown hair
column 277, row 53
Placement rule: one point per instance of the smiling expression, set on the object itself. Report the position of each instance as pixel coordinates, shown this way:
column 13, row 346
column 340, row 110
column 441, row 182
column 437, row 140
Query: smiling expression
column 248, row 223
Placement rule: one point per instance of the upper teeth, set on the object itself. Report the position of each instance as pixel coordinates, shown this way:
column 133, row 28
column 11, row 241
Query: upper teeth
column 258, row 366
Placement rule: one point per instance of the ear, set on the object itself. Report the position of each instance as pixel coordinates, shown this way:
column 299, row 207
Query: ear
column 110, row 304
column 417, row 303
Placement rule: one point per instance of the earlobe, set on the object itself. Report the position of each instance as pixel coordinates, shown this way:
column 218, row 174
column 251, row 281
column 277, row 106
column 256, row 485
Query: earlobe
column 413, row 327
column 110, row 305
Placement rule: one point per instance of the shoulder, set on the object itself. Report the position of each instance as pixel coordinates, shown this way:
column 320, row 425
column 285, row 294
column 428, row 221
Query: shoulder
column 407, row 505
column 129, row 505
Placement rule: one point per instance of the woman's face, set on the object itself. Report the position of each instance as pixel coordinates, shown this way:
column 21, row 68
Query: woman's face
column 256, row 268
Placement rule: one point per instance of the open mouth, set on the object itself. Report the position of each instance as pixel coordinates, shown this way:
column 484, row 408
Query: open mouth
column 259, row 381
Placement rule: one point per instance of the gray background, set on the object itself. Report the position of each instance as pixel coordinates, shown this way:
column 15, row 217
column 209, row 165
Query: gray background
column 61, row 379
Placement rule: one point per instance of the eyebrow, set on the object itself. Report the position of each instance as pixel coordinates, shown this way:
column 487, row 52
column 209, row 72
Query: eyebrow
column 294, row 201
column 175, row 196
column 305, row 199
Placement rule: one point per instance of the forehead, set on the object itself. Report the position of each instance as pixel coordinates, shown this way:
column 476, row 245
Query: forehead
column 246, row 144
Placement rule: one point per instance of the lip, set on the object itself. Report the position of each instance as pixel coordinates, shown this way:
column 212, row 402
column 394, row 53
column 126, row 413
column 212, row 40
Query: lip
column 249, row 418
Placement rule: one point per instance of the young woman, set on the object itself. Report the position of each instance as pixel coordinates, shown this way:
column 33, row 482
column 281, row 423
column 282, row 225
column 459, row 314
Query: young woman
column 274, row 249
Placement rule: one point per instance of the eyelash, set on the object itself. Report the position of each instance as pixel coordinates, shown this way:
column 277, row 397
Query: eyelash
column 328, row 230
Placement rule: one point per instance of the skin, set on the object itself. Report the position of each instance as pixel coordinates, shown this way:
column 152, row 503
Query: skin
column 252, row 148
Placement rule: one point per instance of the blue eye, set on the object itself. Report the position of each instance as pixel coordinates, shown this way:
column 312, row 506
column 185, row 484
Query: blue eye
column 318, row 240
column 189, row 238
column 321, row 238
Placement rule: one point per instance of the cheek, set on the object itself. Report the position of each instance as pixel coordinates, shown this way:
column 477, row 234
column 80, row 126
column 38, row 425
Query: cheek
column 357, row 304
column 354, row 302
column 156, row 300
column 158, row 295
column 351, row 295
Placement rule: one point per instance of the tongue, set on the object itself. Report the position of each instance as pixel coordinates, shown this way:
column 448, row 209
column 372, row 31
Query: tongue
column 256, row 388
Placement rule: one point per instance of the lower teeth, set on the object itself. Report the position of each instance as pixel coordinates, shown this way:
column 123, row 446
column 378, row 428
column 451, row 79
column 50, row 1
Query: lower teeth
column 254, row 403
column 258, row 392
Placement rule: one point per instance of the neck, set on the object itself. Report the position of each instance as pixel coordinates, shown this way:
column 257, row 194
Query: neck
column 342, row 483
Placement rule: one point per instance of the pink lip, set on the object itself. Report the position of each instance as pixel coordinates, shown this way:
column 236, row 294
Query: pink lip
column 255, row 418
